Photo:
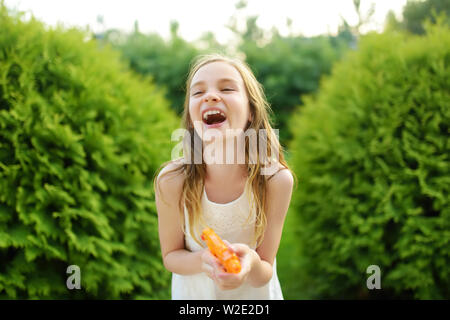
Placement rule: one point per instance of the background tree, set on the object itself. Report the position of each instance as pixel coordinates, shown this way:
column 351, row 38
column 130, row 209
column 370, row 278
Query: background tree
column 167, row 62
column 287, row 66
column 416, row 12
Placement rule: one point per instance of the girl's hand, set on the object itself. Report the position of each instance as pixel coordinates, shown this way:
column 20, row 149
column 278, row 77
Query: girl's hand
column 210, row 263
column 224, row 280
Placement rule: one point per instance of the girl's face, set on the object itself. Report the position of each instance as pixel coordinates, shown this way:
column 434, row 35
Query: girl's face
column 218, row 99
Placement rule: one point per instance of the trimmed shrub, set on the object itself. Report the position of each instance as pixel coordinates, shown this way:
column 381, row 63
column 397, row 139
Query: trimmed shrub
column 80, row 140
column 371, row 151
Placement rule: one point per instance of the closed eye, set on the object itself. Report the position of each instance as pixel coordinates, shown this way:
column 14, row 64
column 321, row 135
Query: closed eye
column 226, row 89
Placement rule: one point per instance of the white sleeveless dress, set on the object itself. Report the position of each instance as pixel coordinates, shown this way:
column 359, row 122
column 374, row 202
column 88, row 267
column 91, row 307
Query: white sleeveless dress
column 232, row 222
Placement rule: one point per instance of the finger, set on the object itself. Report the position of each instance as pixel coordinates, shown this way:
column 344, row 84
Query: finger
column 218, row 267
column 208, row 270
column 213, row 262
column 209, row 258
column 234, row 247
column 232, row 279
column 239, row 248
column 229, row 245
column 226, row 277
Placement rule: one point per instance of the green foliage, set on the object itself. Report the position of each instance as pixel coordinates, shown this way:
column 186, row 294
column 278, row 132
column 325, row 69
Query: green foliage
column 289, row 67
column 80, row 140
column 371, row 151
column 167, row 62
column 415, row 13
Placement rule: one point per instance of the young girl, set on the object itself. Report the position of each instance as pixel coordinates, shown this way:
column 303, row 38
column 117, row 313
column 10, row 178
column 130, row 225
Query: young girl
column 242, row 203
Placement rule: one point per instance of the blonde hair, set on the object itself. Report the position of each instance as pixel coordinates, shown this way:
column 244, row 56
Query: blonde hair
column 194, row 174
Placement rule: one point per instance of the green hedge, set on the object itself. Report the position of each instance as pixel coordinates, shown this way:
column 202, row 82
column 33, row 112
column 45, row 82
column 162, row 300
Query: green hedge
column 80, row 140
column 371, row 151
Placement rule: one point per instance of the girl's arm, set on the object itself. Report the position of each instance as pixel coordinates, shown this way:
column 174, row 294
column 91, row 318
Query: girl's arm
column 279, row 192
column 175, row 257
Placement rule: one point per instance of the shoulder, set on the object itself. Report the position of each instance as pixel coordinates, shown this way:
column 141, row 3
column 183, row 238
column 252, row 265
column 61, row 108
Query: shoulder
column 279, row 187
column 171, row 178
column 282, row 179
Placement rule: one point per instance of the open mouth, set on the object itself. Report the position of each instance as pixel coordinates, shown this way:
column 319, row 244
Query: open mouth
column 213, row 117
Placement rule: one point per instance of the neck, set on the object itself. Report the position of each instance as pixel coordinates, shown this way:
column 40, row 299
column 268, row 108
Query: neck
column 225, row 173
column 223, row 167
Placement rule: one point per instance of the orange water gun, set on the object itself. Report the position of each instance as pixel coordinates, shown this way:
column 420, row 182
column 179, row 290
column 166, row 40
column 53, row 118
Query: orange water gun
column 219, row 249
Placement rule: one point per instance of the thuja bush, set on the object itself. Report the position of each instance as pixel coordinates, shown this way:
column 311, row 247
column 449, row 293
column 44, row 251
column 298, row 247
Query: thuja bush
column 80, row 140
column 371, row 151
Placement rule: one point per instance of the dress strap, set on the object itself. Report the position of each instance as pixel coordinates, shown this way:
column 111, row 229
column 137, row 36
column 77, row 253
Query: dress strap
column 276, row 173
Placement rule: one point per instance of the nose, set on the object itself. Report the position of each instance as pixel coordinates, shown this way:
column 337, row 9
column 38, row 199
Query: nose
column 211, row 96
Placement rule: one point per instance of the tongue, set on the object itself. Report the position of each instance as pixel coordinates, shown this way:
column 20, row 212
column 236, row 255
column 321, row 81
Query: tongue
column 215, row 118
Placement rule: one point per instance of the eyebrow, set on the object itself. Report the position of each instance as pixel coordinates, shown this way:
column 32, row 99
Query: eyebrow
column 220, row 80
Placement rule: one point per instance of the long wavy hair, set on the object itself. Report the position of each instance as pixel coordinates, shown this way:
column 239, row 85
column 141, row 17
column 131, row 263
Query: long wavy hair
column 195, row 173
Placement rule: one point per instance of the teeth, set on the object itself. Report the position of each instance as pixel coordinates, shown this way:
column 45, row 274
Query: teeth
column 207, row 113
